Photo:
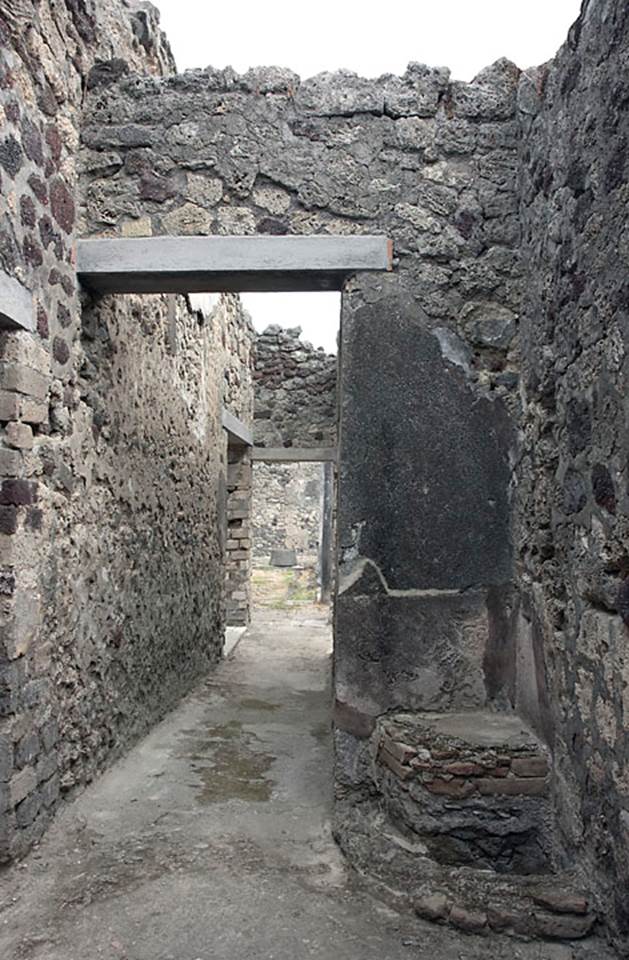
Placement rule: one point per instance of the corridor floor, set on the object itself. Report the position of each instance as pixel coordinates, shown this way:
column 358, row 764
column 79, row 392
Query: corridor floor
column 211, row 839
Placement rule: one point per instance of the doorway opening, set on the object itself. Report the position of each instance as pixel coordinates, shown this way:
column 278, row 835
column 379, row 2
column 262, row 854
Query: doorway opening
column 292, row 533
column 280, row 491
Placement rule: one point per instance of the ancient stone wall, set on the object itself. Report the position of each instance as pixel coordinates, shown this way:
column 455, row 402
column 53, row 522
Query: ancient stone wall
column 295, row 406
column 238, row 546
column 287, row 509
column 504, row 199
column 572, row 478
column 238, row 399
column 427, row 358
column 428, row 395
column 135, row 613
column 112, row 458
column 295, row 391
column 46, row 52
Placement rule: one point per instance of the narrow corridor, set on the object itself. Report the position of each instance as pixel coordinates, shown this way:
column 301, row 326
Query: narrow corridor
column 211, row 839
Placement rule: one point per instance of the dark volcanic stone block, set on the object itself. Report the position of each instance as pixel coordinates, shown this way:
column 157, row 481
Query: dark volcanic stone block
column 424, row 469
column 417, row 652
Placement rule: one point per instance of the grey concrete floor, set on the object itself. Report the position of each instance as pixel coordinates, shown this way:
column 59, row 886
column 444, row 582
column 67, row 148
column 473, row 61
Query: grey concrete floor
column 211, row 839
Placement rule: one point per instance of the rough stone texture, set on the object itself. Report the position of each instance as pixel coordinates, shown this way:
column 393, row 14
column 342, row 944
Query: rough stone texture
column 505, row 201
column 287, row 509
column 391, row 854
column 237, row 344
column 46, row 51
column 111, row 450
column 425, row 607
column 473, row 788
column 239, row 782
column 238, row 545
column 295, row 391
column 572, row 475
column 295, row 405
column 427, row 358
column 237, row 350
column 139, row 605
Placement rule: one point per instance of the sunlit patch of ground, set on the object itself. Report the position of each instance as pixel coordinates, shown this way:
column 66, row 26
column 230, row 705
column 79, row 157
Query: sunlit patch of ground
column 284, row 588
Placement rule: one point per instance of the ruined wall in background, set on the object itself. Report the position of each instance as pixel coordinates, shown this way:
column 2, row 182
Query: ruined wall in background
column 295, row 405
column 573, row 477
column 235, row 343
column 112, row 458
column 295, row 391
column 238, row 534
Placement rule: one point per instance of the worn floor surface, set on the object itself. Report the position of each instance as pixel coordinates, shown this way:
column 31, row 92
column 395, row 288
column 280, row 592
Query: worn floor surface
column 211, row 840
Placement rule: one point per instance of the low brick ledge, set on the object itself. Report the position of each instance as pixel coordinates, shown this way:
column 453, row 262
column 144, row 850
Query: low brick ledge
column 495, row 756
column 546, row 914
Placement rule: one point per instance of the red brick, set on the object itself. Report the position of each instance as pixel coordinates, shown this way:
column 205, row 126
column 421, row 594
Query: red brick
column 418, row 764
column 402, row 772
column 563, row 926
column 530, row 767
column 401, row 751
column 529, row 786
column 457, row 789
column 433, row 907
column 474, row 921
column 560, row 902
column 461, row 768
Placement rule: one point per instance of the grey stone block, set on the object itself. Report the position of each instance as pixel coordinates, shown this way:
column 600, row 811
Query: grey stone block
column 232, row 263
column 22, row 784
column 17, row 310
column 26, row 811
column 283, row 558
column 6, row 758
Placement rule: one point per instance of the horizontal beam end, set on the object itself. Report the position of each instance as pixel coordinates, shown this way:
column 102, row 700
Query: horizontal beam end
column 238, row 433
column 293, row 454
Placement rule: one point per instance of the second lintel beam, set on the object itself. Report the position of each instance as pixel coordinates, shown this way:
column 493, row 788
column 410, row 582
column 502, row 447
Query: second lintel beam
column 293, row 454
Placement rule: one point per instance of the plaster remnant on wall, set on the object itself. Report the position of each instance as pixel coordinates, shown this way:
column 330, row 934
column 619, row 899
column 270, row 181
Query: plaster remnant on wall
column 453, row 348
column 358, row 567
